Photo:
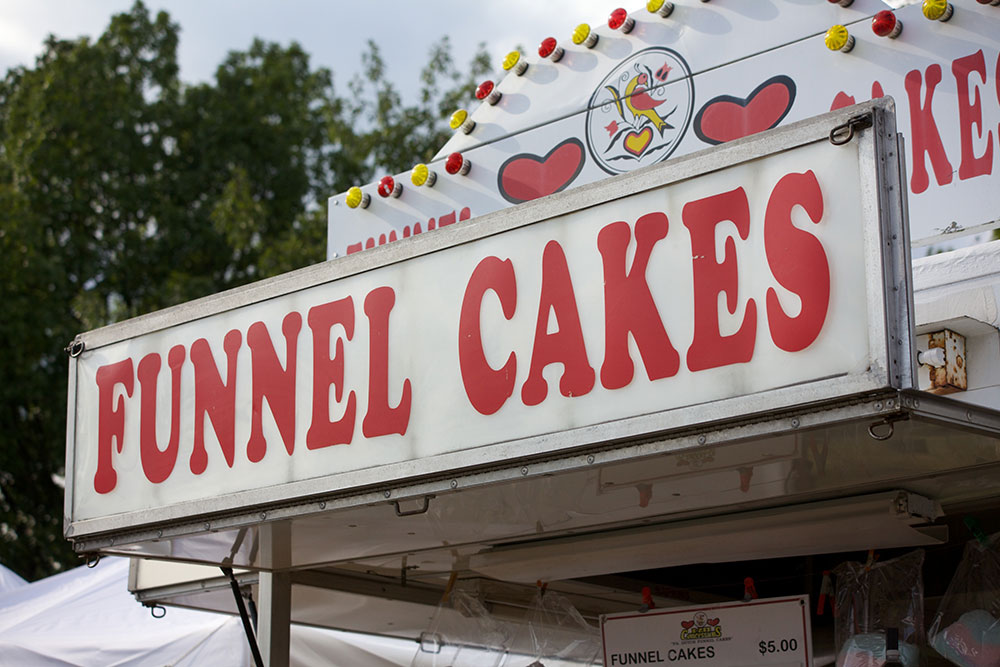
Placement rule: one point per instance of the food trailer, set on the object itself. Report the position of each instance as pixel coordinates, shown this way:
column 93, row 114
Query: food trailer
column 658, row 340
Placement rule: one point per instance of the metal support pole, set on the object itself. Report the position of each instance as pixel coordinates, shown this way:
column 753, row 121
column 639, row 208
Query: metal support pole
column 275, row 618
column 274, row 611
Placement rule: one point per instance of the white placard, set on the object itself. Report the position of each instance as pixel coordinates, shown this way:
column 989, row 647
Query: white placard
column 773, row 632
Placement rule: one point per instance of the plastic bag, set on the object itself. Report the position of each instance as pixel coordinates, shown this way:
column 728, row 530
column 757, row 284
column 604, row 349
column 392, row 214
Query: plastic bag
column 555, row 634
column 870, row 600
column 965, row 629
column 462, row 633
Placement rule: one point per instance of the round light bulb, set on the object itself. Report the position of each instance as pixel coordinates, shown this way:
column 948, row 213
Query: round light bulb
column 487, row 91
column 582, row 34
column 457, row 164
column 388, row 187
column 549, row 48
column 885, row 24
column 356, row 198
column 422, row 175
column 620, row 19
column 460, row 120
column 484, row 89
column 660, row 7
column 938, row 10
column 838, row 39
column 513, row 62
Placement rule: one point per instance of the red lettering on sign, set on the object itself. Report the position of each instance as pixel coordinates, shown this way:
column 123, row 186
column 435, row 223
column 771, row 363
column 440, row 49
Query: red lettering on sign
column 110, row 420
column 566, row 345
column 271, row 381
column 380, row 419
column 214, row 398
column 971, row 114
column 443, row 221
column 487, row 389
column 157, row 463
column 628, row 304
column 925, row 136
column 710, row 349
column 329, row 371
column 797, row 261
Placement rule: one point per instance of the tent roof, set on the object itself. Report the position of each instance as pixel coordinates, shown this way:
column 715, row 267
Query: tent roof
column 10, row 580
column 87, row 617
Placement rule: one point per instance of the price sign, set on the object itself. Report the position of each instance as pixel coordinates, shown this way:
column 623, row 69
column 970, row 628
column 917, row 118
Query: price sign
column 773, row 632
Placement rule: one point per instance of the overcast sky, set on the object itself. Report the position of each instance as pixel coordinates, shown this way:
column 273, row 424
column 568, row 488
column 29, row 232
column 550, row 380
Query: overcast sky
column 333, row 32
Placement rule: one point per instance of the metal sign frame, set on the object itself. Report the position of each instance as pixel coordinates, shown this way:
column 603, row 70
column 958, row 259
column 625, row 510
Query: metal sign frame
column 889, row 308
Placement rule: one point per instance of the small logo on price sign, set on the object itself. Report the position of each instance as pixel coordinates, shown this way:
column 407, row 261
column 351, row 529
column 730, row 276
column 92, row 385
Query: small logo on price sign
column 772, row 632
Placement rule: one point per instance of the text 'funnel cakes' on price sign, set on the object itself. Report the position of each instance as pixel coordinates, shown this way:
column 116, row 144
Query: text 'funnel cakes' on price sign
column 761, row 633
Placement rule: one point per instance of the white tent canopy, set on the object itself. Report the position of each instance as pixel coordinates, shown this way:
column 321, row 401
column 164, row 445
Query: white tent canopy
column 87, row 617
column 9, row 580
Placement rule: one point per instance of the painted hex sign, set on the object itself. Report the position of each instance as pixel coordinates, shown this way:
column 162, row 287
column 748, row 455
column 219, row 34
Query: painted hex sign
column 639, row 113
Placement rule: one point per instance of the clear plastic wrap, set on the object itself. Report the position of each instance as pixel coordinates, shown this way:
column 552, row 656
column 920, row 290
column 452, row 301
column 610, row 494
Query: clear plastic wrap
column 872, row 599
column 965, row 629
column 556, row 634
column 462, row 633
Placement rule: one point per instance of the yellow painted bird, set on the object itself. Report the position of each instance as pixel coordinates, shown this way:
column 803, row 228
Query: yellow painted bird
column 640, row 102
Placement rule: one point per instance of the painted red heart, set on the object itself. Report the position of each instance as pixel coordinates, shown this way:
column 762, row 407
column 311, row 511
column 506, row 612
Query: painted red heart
column 525, row 176
column 687, row 624
column 713, row 621
column 725, row 118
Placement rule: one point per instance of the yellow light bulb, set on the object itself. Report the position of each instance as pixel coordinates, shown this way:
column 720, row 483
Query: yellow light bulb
column 458, row 118
column 419, row 174
column 511, row 60
column 837, row 38
column 581, row 33
column 660, row 7
column 354, row 197
column 937, row 10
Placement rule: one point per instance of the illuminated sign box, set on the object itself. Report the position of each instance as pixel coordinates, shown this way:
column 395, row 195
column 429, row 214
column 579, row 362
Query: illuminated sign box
column 674, row 86
column 759, row 275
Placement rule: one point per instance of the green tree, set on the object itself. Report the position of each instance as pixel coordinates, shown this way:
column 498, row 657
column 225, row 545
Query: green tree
column 122, row 191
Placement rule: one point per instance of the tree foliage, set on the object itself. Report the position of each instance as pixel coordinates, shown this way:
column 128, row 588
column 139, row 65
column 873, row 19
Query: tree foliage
column 124, row 190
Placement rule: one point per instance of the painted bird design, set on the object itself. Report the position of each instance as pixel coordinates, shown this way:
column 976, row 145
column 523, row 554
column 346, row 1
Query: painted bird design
column 638, row 101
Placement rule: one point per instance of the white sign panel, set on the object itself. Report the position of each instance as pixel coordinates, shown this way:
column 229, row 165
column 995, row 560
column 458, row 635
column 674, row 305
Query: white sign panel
column 708, row 74
column 754, row 280
column 774, row 632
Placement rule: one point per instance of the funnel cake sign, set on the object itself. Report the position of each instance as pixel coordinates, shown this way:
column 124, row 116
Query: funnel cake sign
column 705, row 290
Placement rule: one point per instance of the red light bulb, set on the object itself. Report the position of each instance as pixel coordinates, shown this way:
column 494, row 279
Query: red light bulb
column 620, row 19
column 885, row 24
column 995, row 3
column 487, row 91
column 388, row 187
column 549, row 48
column 456, row 164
